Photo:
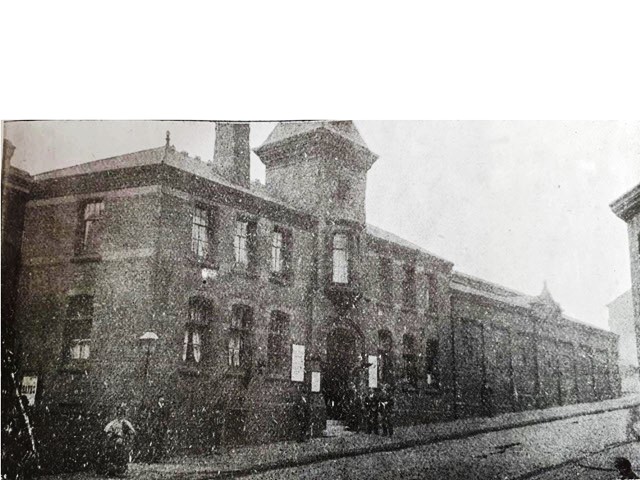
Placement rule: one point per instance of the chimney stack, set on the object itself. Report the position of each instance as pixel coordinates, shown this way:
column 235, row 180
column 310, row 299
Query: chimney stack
column 231, row 157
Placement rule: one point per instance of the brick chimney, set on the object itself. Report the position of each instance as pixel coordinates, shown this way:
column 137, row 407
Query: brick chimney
column 231, row 156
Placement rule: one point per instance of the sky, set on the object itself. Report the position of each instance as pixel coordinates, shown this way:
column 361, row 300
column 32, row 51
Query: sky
column 513, row 202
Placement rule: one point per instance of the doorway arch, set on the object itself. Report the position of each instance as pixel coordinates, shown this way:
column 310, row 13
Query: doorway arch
column 340, row 370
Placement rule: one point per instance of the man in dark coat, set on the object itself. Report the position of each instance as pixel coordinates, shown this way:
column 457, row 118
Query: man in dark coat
column 159, row 423
column 303, row 415
column 386, row 404
column 371, row 411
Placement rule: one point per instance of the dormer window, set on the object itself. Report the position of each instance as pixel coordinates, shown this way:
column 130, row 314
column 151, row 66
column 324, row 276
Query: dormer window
column 340, row 258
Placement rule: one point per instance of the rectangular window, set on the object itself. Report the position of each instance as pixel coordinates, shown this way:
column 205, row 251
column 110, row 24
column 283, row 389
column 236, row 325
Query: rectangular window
column 386, row 280
column 340, row 258
column 409, row 286
column 431, row 280
column 277, row 344
column 79, row 324
column 92, row 213
column 410, row 359
column 281, row 252
column 277, row 247
column 201, row 232
column 240, row 332
column 194, row 331
column 244, row 243
column 431, row 362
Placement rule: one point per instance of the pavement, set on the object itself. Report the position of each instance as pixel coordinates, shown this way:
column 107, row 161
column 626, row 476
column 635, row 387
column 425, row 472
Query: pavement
column 248, row 460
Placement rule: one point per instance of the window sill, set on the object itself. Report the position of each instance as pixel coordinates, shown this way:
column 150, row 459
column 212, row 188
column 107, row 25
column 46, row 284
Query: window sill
column 86, row 257
column 245, row 270
column 236, row 371
column 280, row 278
column 276, row 377
column 190, row 370
column 76, row 367
column 432, row 390
column 203, row 262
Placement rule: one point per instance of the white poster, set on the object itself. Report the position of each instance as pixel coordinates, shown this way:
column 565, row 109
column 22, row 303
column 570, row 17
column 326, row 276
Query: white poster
column 315, row 381
column 297, row 363
column 373, row 371
column 29, row 388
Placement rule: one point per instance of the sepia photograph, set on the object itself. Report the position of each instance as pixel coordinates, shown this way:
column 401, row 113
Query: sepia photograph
column 313, row 299
column 310, row 240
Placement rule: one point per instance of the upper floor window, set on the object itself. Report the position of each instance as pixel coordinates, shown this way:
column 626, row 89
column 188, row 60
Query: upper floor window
column 201, row 232
column 280, row 251
column 78, row 328
column 386, row 280
column 409, row 286
column 240, row 333
column 432, row 285
column 410, row 359
column 340, row 258
column 194, row 331
column 277, row 344
column 431, row 362
column 244, row 242
column 91, row 215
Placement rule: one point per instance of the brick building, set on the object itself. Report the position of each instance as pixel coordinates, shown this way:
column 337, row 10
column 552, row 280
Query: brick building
column 627, row 207
column 254, row 291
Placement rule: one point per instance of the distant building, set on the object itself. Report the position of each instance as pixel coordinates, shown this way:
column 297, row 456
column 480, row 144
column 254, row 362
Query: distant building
column 627, row 207
column 258, row 292
column 621, row 322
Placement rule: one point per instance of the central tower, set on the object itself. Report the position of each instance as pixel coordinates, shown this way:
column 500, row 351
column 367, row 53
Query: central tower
column 320, row 167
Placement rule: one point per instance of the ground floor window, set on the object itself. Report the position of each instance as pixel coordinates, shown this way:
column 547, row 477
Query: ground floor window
column 240, row 333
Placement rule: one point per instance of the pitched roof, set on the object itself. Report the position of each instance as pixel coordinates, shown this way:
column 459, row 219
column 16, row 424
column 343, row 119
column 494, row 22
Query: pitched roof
column 392, row 238
column 286, row 130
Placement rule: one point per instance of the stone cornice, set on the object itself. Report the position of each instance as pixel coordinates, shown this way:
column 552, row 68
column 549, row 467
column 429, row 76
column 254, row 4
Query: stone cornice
column 628, row 205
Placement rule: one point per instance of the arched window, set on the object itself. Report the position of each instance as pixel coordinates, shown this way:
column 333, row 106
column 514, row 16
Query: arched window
column 431, row 362
column 340, row 258
column 195, row 330
column 385, row 356
column 278, row 338
column 410, row 359
column 78, row 329
column 240, row 333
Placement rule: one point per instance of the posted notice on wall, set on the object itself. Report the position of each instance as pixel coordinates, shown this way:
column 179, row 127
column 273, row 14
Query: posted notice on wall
column 373, row 371
column 28, row 388
column 297, row 363
column 315, row 382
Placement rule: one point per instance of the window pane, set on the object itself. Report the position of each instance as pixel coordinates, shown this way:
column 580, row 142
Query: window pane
column 92, row 212
column 200, row 232
column 196, row 345
column 240, row 243
column 276, row 252
column 185, row 347
column 340, row 259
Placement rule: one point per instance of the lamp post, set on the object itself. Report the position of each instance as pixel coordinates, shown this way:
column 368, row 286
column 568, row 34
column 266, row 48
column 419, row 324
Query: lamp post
column 148, row 341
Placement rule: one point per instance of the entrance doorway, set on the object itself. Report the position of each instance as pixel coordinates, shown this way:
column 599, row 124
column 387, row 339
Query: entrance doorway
column 340, row 370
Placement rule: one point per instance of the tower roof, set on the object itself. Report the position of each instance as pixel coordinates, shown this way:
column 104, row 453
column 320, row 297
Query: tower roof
column 286, row 130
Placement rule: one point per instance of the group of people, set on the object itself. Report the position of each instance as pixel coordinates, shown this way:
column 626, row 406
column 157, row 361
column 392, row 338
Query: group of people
column 371, row 411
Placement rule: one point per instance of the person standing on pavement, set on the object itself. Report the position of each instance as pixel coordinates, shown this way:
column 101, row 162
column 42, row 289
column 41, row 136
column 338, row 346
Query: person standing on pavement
column 303, row 415
column 118, row 433
column 371, row 412
column 386, row 410
column 159, row 425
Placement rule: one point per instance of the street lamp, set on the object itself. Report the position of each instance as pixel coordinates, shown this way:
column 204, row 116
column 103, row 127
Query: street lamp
column 148, row 341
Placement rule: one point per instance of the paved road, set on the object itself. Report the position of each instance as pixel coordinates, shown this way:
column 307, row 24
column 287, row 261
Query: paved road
column 509, row 454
